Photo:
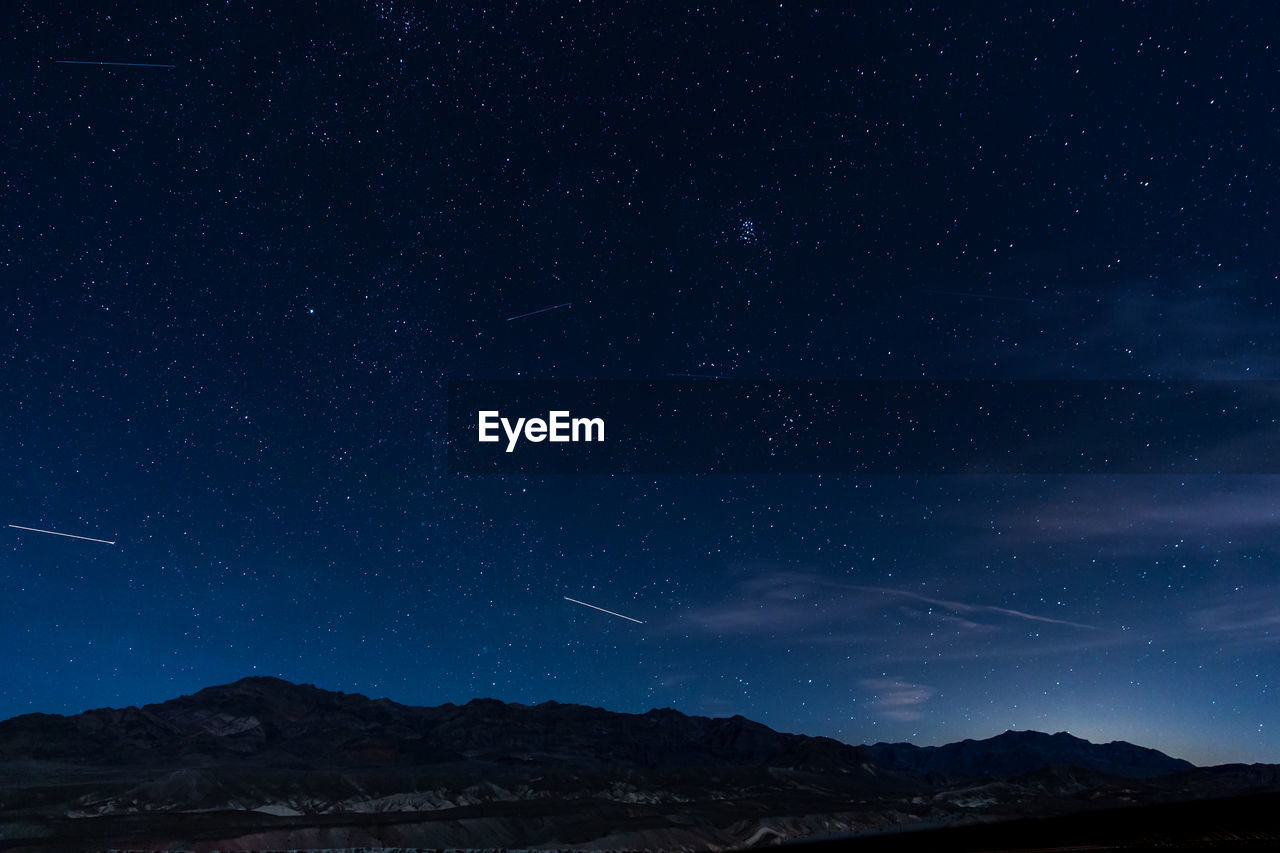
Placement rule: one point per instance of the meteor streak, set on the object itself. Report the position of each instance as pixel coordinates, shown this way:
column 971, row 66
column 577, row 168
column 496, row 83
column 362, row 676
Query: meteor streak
column 602, row 610
column 56, row 533
column 123, row 64
column 541, row 311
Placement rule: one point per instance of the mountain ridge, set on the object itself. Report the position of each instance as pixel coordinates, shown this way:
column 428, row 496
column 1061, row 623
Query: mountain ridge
column 1013, row 753
column 294, row 766
column 276, row 687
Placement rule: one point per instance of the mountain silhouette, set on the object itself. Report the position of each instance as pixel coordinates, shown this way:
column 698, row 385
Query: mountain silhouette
column 1017, row 753
column 264, row 763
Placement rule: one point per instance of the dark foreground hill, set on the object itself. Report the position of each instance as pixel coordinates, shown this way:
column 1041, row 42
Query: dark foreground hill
column 1017, row 753
column 266, row 764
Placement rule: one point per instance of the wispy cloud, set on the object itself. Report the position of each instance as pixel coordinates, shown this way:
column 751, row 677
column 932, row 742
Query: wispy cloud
column 898, row 623
column 1247, row 616
column 897, row 698
column 1206, row 327
column 670, row 680
column 961, row 607
column 1133, row 514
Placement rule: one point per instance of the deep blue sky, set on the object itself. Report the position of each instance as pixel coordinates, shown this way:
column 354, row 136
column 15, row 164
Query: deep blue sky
column 234, row 289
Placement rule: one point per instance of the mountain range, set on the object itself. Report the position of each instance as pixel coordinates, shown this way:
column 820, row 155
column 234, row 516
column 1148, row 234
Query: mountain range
column 266, row 764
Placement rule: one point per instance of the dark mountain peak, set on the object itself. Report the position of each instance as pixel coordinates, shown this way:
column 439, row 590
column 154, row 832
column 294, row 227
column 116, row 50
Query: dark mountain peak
column 664, row 716
column 268, row 682
column 1033, row 736
column 268, row 699
column 256, row 688
column 1017, row 753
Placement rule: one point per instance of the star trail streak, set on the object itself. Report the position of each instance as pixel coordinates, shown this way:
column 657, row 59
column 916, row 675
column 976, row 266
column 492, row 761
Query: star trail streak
column 602, row 610
column 68, row 535
column 541, row 311
column 118, row 64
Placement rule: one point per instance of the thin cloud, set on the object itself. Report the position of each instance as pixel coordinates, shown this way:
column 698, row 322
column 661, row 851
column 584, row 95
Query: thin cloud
column 1193, row 328
column 961, row 607
column 1250, row 616
column 897, row 698
column 1135, row 514
column 793, row 604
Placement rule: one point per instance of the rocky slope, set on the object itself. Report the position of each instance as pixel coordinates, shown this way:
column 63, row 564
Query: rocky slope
column 262, row 764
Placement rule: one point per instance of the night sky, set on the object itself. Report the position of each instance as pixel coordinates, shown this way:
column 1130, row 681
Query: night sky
column 234, row 290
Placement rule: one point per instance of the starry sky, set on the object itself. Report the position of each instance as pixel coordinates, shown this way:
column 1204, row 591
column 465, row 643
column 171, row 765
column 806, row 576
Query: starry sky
column 235, row 289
